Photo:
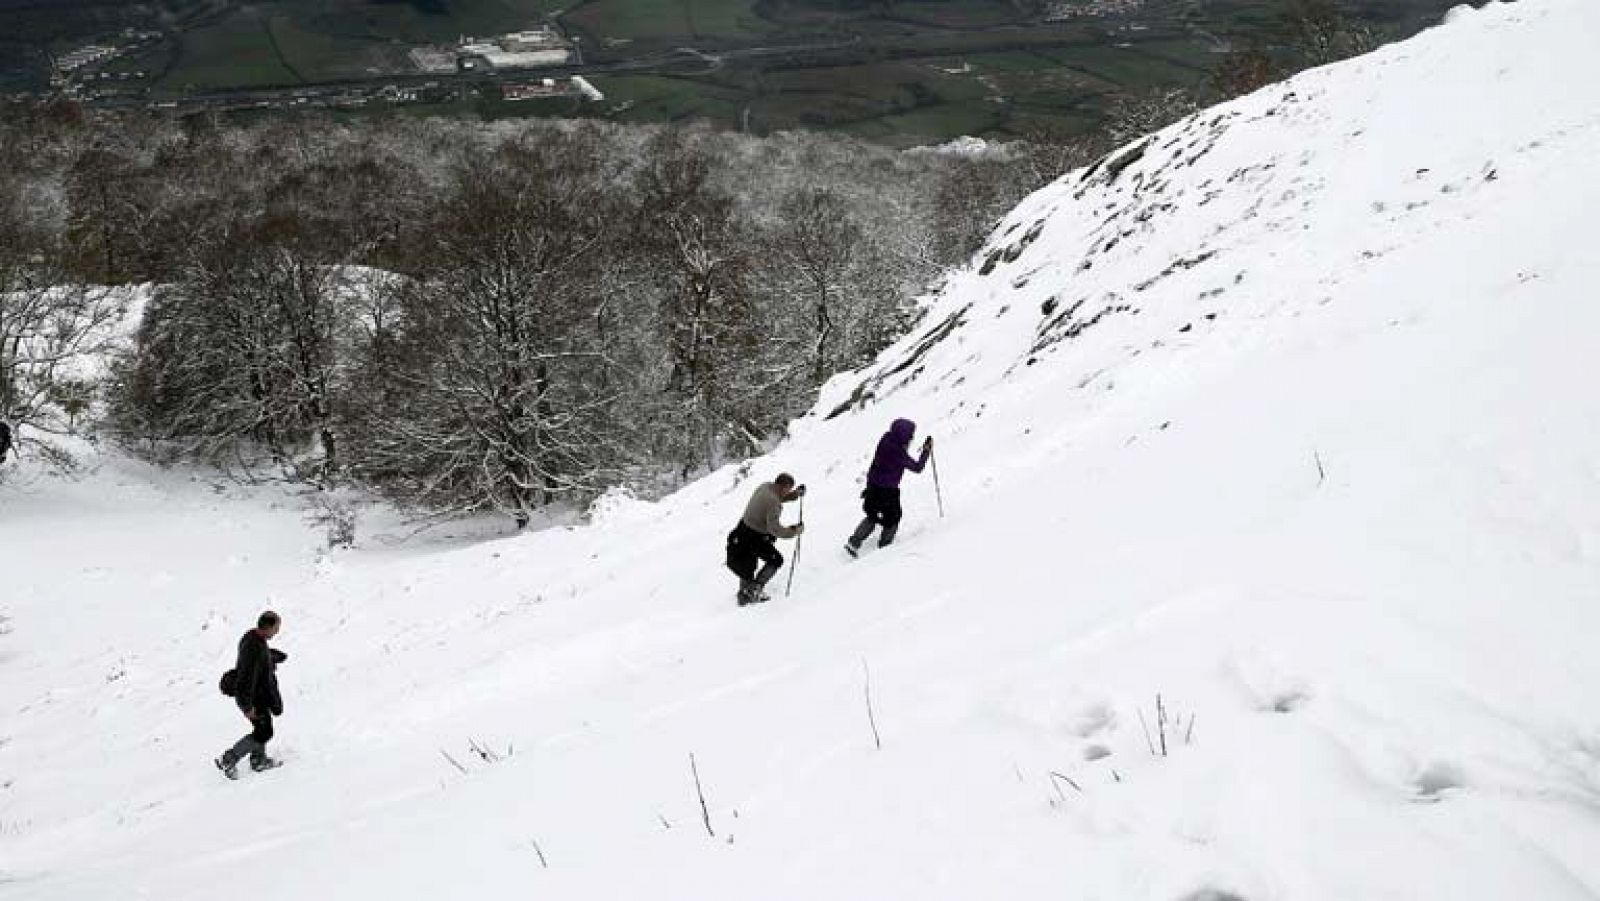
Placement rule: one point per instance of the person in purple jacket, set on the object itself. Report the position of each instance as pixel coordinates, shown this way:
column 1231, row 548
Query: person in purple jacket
column 881, row 500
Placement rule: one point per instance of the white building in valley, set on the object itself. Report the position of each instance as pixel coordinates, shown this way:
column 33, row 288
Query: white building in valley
column 517, row 50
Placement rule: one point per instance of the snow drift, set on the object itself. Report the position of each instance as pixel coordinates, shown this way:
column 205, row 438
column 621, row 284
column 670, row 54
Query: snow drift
column 1284, row 414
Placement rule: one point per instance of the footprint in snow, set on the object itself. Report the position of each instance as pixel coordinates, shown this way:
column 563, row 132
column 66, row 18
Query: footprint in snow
column 1434, row 781
column 1289, row 701
column 1092, row 720
column 1212, row 894
column 1267, row 687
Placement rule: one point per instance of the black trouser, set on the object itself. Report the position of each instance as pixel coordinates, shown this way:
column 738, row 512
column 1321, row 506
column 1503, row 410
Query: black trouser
column 746, row 547
column 254, row 744
column 882, row 506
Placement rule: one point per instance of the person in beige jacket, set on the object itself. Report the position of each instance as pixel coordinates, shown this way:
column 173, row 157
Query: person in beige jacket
column 755, row 537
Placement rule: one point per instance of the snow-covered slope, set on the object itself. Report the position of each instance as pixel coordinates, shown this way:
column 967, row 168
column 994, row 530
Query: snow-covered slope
column 1286, row 415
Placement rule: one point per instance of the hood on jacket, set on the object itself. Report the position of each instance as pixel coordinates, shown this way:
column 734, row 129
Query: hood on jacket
column 902, row 431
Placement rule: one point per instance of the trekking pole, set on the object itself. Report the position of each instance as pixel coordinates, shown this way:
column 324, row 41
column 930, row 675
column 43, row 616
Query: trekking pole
column 937, row 491
column 797, row 542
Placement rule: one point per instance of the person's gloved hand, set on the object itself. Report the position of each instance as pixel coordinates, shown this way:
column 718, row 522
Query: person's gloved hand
column 927, row 444
column 799, row 528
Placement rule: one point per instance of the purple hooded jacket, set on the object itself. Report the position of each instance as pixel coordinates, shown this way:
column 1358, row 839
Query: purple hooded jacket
column 893, row 459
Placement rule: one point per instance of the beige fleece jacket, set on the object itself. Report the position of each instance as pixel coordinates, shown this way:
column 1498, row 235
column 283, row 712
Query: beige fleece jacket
column 764, row 513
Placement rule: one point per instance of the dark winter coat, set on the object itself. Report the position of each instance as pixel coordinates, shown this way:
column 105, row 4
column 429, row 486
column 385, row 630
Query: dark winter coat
column 5, row 440
column 893, row 457
column 257, row 688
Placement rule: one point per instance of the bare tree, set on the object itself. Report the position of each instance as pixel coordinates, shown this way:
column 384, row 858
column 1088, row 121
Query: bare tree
column 239, row 353
column 50, row 325
column 1133, row 116
column 504, row 315
column 1243, row 71
column 504, row 386
column 689, row 229
column 1322, row 32
column 818, row 242
column 1049, row 153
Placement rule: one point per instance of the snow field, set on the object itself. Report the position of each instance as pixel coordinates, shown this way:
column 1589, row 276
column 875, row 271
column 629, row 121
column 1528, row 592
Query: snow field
column 1315, row 457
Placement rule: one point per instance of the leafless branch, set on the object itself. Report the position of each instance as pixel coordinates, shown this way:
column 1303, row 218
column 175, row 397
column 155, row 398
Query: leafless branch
column 872, row 719
column 1146, row 727
column 1055, row 776
column 705, row 812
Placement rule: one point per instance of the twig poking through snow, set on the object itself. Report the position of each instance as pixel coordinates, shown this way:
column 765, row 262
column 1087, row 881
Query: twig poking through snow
column 539, row 851
column 1161, row 723
column 1068, row 780
column 453, row 761
column 1322, row 474
column 705, row 812
column 1188, row 735
column 1146, row 727
column 484, row 753
column 872, row 719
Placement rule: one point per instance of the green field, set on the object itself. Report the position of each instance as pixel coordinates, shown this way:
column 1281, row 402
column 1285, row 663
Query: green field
column 236, row 52
column 654, row 98
column 1000, row 94
column 282, row 42
column 893, row 71
column 667, row 20
column 411, row 23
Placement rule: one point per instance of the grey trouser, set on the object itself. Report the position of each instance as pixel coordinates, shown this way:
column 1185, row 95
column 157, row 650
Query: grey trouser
column 254, row 744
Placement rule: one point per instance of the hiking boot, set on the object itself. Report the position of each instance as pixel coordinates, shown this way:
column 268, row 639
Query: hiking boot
column 265, row 763
column 231, row 770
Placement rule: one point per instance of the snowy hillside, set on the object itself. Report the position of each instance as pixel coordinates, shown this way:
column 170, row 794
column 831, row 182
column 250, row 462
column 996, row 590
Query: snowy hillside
column 1286, row 414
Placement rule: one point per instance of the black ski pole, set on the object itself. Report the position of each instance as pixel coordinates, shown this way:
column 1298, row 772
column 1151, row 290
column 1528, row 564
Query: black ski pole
column 797, row 541
column 937, row 491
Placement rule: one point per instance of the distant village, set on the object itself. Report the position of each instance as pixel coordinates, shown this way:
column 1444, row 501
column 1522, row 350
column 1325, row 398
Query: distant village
column 85, row 74
column 1078, row 9
column 87, row 63
column 516, row 50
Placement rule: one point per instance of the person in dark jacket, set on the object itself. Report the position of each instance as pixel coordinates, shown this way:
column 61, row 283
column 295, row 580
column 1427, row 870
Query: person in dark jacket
column 755, row 537
column 5, row 440
column 881, row 500
column 256, row 693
